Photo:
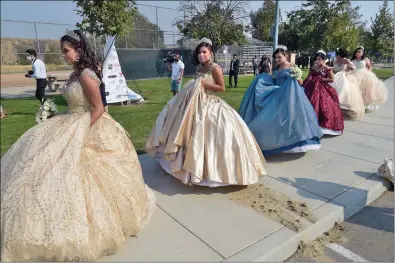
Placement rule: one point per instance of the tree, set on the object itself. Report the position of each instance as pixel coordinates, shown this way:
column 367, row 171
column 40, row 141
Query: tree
column 262, row 20
column 8, row 56
column 383, row 31
column 322, row 25
column 221, row 21
column 51, row 53
column 106, row 17
column 143, row 35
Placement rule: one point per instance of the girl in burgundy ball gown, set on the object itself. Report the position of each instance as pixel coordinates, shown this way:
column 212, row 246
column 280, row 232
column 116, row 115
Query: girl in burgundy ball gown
column 324, row 97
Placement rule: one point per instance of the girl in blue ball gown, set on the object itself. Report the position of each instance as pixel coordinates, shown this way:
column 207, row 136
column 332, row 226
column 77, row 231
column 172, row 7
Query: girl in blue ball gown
column 278, row 112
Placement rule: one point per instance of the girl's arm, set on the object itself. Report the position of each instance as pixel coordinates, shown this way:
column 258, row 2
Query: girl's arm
column 300, row 81
column 369, row 65
column 218, row 85
column 330, row 78
column 350, row 65
column 92, row 91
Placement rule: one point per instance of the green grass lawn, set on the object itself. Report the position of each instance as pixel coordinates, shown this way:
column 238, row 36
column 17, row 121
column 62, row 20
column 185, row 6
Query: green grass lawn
column 138, row 120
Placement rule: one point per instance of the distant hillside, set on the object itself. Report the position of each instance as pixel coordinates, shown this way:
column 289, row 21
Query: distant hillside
column 13, row 50
column 144, row 35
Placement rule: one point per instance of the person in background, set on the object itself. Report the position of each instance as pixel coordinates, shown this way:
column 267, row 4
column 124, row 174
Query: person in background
column 265, row 66
column 255, row 64
column 39, row 72
column 2, row 114
column 234, row 70
column 103, row 88
column 177, row 72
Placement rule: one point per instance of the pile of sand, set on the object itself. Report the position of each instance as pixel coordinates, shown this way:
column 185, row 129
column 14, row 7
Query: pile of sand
column 274, row 205
column 315, row 249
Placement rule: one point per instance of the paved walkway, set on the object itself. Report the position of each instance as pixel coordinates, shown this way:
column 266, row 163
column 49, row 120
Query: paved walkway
column 202, row 224
column 369, row 235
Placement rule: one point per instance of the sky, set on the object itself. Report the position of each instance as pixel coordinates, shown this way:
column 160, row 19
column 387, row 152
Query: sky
column 63, row 12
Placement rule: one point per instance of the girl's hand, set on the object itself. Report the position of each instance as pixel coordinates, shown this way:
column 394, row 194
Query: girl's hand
column 203, row 83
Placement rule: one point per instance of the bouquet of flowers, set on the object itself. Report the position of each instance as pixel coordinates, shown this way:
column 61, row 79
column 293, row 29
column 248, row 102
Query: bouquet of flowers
column 296, row 72
column 47, row 110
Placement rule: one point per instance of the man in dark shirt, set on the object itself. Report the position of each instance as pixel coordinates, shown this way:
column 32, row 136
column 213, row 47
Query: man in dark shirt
column 234, row 70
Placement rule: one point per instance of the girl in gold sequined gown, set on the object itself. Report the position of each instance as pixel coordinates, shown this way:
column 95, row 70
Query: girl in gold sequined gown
column 200, row 139
column 72, row 187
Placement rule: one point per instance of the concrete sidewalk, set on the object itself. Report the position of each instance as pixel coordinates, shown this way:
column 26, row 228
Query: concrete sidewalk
column 202, row 224
column 22, row 92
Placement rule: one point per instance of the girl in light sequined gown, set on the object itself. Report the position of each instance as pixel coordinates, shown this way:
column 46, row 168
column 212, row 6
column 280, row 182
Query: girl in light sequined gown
column 372, row 88
column 201, row 140
column 346, row 85
column 72, row 186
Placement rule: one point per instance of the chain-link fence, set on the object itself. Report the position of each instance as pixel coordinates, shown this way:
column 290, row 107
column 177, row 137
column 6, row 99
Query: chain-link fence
column 142, row 51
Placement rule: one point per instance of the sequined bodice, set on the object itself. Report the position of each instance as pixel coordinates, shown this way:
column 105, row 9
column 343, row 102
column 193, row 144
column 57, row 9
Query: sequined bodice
column 208, row 77
column 359, row 64
column 322, row 72
column 338, row 68
column 74, row 94
column 281, row 76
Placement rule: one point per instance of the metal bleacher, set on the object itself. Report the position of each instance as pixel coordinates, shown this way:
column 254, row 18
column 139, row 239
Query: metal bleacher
column 250, row 51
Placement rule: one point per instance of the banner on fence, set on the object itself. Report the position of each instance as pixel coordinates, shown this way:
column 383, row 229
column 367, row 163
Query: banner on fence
column 116, row 87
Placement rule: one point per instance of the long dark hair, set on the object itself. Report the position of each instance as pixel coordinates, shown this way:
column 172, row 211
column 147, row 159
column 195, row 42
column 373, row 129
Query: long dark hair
column 354, row 56
column 341, row 52
column 87, row 57
column 196, row 52
column 319, row 54
column 264, row 64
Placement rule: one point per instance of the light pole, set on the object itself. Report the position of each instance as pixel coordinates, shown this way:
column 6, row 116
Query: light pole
column 275, row 33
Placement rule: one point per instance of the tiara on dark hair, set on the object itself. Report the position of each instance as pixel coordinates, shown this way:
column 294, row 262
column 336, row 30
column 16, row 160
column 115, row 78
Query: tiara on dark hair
column 73, row 35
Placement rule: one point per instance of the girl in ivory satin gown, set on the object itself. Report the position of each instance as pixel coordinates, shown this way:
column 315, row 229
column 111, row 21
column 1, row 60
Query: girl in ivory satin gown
column 372, row 88
column 72, row 186
column 201, row 140
column 346, row 85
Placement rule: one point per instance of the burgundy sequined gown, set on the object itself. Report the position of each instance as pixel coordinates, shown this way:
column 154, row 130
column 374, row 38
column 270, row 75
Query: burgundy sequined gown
column 325, row 102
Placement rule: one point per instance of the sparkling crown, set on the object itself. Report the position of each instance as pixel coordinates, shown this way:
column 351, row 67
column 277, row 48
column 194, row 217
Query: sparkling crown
column 361, row 47
column 73, row 35
column 321, row 52
column 206, row 40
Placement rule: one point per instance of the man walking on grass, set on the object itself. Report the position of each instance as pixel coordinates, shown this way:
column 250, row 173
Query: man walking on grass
column 177, row 72
column 39, row 72
column 234, row 70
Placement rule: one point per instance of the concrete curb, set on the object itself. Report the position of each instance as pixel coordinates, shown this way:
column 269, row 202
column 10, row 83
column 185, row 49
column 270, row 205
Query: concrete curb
column 283, row 243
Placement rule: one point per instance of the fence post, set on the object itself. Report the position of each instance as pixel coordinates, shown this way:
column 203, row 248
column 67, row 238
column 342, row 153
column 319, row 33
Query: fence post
column 38, row 42
column 157, row 27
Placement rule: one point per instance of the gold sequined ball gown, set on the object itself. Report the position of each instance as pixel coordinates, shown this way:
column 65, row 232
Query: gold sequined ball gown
column 71, row 191
column 201, row 140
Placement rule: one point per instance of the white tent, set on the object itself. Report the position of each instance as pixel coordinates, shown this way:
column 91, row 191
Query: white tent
column 116, row 88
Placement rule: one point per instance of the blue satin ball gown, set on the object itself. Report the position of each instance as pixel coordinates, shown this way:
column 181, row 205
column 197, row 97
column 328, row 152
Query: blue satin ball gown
column 280, row 115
